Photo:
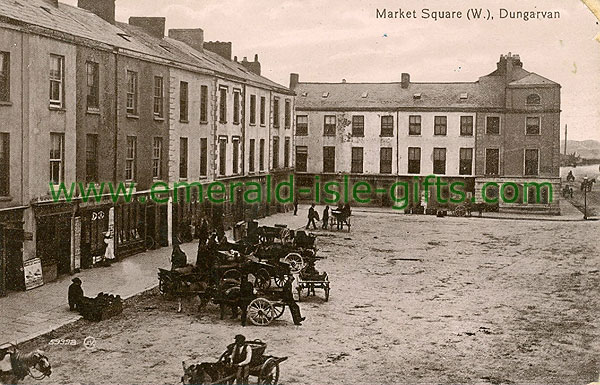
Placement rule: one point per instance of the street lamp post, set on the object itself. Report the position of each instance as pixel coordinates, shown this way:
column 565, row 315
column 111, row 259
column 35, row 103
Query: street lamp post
column 585, row 187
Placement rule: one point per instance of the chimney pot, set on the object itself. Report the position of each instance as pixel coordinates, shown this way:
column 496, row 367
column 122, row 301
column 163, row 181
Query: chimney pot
column 192, row 37
column 343, row 80
column 245, row 59
column 256, row 57
column 235, row 59
column 154, row 26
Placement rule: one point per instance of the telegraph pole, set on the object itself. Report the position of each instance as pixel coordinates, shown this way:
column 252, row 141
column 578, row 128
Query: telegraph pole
column 565, row 140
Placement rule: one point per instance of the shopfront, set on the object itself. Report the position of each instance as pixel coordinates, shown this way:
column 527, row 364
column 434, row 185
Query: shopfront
column 11, row 253
column 53, row 239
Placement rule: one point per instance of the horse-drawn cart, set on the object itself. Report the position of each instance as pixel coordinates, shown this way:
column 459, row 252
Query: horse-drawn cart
column 311, row 283
column 264, row 367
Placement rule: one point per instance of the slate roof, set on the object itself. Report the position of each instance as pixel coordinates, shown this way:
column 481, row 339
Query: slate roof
column 487, row 92
column 533, row 79
column 393, row 96
column 80, row 23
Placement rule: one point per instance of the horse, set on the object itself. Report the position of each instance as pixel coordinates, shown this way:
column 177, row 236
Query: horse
column 207, row 373
column 15, row 365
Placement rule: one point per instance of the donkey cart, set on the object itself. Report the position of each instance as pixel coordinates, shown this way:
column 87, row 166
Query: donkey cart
column 264, row 367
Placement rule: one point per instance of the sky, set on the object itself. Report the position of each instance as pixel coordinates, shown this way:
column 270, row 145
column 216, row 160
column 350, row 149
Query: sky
column 330, row 40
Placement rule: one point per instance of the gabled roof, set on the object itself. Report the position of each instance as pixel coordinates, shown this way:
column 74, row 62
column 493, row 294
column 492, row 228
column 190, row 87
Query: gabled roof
column 393, row 96
column 533, row 79
column 80, row 23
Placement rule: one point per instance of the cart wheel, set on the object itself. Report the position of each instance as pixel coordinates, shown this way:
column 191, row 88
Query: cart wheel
column 459, row 211
column 278, row 309
column 260, row 312
column 263, row 279
column 269, row 372
column 280, row 280
column 295, row 261
column 232, row 274
column 150, row 243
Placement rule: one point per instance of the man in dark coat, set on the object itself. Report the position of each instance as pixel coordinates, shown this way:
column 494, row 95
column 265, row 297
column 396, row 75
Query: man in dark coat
column 295, row 205
column 246, row 296
column 178, row 257
column 75, row 294
column 288, row 299
column 325, row 217
column 202, row 232
column 312, row 214
column 239, row 355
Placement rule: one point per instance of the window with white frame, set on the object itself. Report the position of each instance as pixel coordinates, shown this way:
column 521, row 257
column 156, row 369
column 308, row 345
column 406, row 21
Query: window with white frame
column 157, row 150
column 93, row 86
column 158, row 96
column 57, row 157
column 57, row 81
column 130, row 158
column 301, row 125
column 329, row 125
column 132, row 93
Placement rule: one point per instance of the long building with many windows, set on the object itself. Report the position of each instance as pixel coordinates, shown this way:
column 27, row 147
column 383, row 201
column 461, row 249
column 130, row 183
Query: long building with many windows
column 85, row 98
column 502, row 129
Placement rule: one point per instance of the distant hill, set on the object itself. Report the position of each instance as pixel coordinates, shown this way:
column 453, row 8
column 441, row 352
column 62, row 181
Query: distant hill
column 587, row 149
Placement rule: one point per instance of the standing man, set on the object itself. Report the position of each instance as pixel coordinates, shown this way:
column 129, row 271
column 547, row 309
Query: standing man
column 311, row 217
column 325, row 217
column 246, row 296
column 288, row 299
column 240, row 355
column 295, row 205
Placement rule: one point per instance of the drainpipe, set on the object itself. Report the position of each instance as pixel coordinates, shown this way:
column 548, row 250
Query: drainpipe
column 116, row 116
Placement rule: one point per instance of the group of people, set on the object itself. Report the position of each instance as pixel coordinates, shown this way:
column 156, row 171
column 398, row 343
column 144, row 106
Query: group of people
column 342, row 213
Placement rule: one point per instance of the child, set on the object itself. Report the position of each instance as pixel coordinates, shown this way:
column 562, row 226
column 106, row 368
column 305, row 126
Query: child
column 75, row 294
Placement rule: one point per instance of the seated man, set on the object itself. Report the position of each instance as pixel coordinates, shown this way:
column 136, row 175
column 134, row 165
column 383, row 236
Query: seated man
column 239, row 355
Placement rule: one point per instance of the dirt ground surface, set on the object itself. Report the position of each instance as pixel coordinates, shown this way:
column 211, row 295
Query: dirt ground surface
column 414, row 299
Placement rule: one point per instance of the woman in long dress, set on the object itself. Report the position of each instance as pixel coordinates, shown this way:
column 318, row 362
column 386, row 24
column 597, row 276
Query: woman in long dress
column 109, row 254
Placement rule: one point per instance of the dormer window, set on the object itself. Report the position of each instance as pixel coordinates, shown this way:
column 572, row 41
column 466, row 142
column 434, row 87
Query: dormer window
column 533, row 99
column 464, row 96
column 304, row 94
column 417, row 96
column 325, row 94
column 125, row 36
column 165, row 48
column 364, row 95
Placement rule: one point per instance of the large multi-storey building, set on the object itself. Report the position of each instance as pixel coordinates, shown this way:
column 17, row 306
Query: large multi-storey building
column 84, row 98
column 502, row 129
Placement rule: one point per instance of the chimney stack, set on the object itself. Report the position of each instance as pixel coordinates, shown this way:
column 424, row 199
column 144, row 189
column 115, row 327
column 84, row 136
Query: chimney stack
column 507, row 64
column 192, row 37
column 222, row 49
column 252, row 66
column 405, row 80
column 154, row 26
column 101, row 8
column 294, row 80
column 54, row 3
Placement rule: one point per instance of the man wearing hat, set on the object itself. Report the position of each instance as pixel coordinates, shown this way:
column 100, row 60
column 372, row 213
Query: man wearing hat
column 240, row 355
column 288, row 299
column 75, row 294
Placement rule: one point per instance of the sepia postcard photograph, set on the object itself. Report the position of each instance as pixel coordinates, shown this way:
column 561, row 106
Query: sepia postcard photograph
column 358, row 192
